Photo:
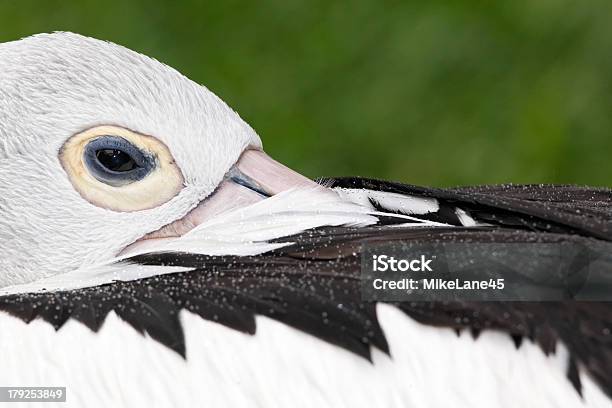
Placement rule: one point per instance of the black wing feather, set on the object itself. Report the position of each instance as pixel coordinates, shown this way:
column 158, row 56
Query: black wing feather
column 549, row 208
column 314, row 285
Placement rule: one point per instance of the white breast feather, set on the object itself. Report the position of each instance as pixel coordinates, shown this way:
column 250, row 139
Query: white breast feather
column 282, row 367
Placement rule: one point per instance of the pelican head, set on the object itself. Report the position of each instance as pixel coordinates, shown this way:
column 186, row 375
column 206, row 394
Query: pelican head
column 102, row 148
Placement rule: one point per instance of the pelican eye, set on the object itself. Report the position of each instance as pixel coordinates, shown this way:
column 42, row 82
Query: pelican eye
column 117, row 162
column 121, row 170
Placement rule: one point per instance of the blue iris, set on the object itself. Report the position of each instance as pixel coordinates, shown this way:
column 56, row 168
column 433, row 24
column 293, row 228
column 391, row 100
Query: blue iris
column 117, row 162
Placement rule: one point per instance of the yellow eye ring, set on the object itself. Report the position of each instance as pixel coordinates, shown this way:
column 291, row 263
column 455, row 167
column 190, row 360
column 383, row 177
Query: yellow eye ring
column 120, row 170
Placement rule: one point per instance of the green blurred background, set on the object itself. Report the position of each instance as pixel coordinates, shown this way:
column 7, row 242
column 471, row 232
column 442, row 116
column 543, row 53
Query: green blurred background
column 436, row 93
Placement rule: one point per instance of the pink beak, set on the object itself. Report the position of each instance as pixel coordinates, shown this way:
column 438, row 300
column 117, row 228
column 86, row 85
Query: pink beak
column 255, row 177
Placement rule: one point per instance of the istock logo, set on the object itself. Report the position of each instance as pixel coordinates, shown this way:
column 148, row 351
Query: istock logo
column 384, row 263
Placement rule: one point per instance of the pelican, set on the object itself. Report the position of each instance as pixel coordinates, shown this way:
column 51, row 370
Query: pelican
column 154, row 255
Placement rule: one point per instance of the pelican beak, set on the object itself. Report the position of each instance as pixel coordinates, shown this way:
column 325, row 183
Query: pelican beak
column 255, row 177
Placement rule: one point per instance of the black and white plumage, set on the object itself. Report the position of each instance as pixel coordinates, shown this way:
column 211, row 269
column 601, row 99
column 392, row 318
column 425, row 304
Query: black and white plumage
column 295, row 323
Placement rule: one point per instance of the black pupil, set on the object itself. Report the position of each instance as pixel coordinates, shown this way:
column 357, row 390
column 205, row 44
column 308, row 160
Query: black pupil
column 116, row 160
